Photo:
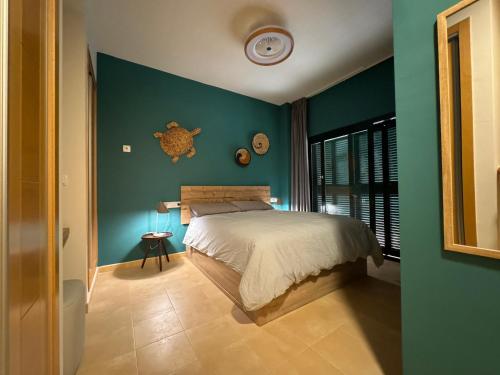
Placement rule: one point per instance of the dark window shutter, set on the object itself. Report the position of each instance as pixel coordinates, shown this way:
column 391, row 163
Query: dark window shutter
column 316, row 182
column 359, row 166
column 393, row 154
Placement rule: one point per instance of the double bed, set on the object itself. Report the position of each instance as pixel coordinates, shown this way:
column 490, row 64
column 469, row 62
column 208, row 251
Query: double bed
column 270, row 262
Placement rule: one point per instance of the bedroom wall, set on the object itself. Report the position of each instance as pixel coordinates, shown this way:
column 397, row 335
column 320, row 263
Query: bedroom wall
column 134, row 101
column 364, row 96
column 450, row 301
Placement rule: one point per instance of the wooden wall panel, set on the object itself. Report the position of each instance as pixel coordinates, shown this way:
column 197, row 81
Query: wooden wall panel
column 213, row 194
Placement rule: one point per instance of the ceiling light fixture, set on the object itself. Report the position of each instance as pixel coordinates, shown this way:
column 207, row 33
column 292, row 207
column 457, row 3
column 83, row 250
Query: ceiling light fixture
column 269, row 45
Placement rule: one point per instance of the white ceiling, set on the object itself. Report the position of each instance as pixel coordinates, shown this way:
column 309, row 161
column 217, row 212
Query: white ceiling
column 203, row 40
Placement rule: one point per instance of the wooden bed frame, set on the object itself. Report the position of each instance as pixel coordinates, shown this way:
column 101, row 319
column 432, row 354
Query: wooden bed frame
column 314, row 287
column 228, row 280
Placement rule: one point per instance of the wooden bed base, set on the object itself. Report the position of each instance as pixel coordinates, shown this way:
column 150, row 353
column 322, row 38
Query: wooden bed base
column 314, row 287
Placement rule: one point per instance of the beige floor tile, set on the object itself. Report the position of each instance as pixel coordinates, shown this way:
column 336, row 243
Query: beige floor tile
column 237, row 358
column 108, row 302
column 125, row 364
column 282, row 333
column 313, row 321
column 370, row 330
column 146, row 291
column 145, row 308
column 373, row 300
column 108, row 345
column 351, row 355
column 306, row 363
column 109, row 288
column 382, row 292
column 98, row 323
column 273, row 350
column 196, row 315
column 194, row 368
column 214, row 335
column 165, row 356
column 157, row 327
column 223, row 303
column 354, row 330
column 187, row 298
column 211, row 291
column 242, row 322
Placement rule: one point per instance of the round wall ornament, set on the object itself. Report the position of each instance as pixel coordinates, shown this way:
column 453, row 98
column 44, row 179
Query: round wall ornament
column 242, row 157
column 260, row 143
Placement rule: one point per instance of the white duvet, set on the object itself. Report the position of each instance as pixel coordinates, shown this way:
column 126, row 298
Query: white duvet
column 272, row 249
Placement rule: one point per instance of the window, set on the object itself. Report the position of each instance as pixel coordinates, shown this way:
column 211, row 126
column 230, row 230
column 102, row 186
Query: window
column 354, row 173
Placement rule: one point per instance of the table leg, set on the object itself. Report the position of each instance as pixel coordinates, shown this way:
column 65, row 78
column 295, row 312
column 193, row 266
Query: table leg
column 159, row 253
column 165, row 250
column 148, row 248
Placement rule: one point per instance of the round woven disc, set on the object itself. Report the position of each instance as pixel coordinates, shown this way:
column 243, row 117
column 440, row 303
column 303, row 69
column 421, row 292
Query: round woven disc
column 243, row 157
column 260, row 143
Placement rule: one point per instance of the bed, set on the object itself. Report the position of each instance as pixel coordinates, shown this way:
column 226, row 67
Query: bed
column 269, row 262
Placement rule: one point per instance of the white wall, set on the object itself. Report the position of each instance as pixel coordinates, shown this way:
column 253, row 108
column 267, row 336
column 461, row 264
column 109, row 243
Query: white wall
column 74, row 141
column 495, row 19
column 485, row 146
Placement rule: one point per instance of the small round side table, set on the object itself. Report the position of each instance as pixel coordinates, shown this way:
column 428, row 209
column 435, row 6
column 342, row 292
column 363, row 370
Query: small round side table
column 155, row 241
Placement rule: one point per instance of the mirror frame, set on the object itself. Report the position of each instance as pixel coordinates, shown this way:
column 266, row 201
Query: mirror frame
column 447, row 172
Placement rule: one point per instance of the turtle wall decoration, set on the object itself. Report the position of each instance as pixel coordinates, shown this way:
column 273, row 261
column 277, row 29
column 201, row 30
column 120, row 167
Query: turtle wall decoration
column 177, row 141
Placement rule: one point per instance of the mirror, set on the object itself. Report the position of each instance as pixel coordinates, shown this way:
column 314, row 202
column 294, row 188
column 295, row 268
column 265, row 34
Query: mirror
column 469, row 80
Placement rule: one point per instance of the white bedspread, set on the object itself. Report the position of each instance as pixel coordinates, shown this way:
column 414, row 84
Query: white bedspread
column 272, row 249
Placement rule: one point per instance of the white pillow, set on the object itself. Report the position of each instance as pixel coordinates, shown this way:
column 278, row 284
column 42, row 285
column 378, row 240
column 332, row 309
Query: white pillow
column 203, row 209
column 252, row 205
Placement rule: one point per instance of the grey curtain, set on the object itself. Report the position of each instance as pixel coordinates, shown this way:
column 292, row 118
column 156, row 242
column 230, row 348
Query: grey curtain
column 300, row 193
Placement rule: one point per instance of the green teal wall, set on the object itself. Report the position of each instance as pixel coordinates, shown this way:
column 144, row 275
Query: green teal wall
column 364, row 96
column 134, row 101
column 450, row 301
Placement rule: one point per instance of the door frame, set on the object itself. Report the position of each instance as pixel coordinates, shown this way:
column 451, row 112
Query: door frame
column 3, row 184
column 55, row 293
column 54, row 359
column 93, row 245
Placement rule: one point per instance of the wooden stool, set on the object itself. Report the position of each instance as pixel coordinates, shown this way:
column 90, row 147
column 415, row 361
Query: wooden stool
column 153, row 241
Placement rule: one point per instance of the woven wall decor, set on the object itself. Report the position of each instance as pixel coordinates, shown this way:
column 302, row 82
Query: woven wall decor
column 177, row 141
column 243, row 157
column 260, row 143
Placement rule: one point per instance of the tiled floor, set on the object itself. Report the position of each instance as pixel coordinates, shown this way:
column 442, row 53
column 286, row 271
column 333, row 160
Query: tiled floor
column 178, row 322
column 389, row 271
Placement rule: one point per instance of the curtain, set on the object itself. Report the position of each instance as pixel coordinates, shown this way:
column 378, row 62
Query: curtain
column 300, row 193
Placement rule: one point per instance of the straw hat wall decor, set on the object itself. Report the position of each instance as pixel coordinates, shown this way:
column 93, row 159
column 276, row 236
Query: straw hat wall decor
column 260, row 143
column 242, row 157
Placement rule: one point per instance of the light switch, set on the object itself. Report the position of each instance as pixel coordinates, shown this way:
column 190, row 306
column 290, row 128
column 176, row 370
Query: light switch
column 127, row 148
column 65, row 180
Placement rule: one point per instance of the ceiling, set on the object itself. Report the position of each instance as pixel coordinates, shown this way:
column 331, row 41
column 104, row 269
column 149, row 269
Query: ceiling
column 204, row 40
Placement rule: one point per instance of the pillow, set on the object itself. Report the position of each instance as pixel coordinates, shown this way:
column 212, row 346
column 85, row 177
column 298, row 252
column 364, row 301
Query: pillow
column 202, row 209
column 252, row 205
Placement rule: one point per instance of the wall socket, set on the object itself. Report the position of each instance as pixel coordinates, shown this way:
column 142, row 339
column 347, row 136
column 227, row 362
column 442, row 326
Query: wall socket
column 127, row 148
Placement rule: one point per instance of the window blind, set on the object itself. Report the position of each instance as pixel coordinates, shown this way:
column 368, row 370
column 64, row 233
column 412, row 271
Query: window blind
column 354, row 173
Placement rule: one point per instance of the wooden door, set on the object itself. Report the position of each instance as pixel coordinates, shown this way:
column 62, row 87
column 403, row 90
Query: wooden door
column 32, row 188
column 92, row 126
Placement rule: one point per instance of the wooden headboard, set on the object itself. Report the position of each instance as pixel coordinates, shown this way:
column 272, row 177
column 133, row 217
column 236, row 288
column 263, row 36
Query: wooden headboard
column 210, row 194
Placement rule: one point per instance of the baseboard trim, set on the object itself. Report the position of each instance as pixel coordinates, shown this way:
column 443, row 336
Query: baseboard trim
column 91, row 289
column 136, row 263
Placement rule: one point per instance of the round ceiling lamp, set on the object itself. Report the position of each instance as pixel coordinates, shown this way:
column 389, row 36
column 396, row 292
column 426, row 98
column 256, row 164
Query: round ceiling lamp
column 269, row 45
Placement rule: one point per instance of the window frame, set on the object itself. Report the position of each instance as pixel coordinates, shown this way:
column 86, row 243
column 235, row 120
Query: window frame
column 387, row 187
